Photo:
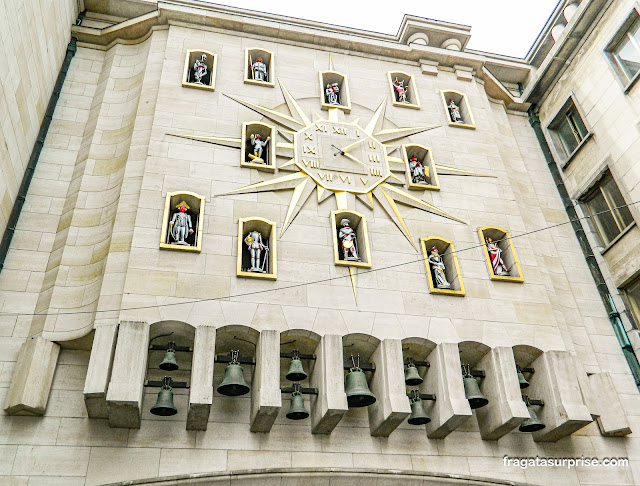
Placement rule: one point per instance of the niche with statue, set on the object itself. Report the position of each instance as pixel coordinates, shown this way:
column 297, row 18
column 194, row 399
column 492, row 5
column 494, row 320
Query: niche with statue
column 260, row 67
column 420, row 169
column 457, row 109
column 258, row 147
column 257, row 248
column 182, row 221
column 500, row 255
column 403, row 90
column 442, row 268
column 350, row 239
column 200, row 69
column 334, row 91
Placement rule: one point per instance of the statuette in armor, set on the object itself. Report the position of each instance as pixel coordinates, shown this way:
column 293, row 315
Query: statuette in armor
column 180, row 226
column 348, row 242
column 499, row 268
column 199, row 69
column 259, row 70
column 417, row 171
column 255, row 246
column 332, row 93
column 258, row 145
column 438, row 269
column 401, row 91
column 454, row 112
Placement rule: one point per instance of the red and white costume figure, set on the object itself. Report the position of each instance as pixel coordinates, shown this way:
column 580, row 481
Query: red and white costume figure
column 454, row 112
column 258, row 146
column 200, row 69
column 401, row 91
column 499, row 268
column 180, row 225
column 332, row 94
column 259, row 70
column 417, row 171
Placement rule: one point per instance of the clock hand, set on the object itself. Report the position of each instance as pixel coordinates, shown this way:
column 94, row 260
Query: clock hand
column 339, row 151
column 349, row 147
column 349, row 156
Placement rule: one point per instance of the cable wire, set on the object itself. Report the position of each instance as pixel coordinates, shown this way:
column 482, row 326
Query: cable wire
column 314, row 282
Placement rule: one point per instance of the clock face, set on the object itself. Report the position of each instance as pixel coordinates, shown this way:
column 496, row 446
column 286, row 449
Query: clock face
column 341, row 157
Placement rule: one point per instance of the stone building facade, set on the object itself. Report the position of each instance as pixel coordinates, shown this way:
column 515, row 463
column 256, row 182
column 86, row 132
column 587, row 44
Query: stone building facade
column 147, row 202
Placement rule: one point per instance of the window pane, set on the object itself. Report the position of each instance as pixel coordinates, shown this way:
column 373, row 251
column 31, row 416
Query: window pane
column 604, row 222
column 627, row 52
column 578, row 125
column 566, row 137
column 623, row 215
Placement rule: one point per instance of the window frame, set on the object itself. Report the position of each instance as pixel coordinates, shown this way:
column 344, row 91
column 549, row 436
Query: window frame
column 596, row 225
column 632, row 17
column 632, row 307
column 569, row 106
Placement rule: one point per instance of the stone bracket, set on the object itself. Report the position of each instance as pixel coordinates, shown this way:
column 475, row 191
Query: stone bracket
column 506, row 409
column 124, row 398
column 387, row 384
column 201, row 392
column 330, row 405
column 32, row 377
column 266, row 398
column 556, row 382
column 444, row 377
column 612, row 420
column 99, row 370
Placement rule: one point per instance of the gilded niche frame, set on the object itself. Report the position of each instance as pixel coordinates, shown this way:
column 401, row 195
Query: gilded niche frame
column 330, row 77
column 447, row 251
column 413, row 100
column 190, row 58
column 461, row 100
column 264, row 130
column 424, row 155
column 268, row 57
column 508, row 255
column 267, row 229
column 358, row 222
column 196, row 204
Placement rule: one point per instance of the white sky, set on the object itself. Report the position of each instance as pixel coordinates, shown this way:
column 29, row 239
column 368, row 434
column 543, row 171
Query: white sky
column 500, row 26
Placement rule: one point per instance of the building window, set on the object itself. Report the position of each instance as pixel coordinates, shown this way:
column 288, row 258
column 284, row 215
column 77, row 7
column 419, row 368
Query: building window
column 568, row 129
column 632, row 295
column 606, row 206
column 624, row 49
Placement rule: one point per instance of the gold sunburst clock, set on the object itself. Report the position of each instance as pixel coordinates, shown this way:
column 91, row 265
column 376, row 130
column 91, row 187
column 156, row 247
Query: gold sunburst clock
column 333, row 157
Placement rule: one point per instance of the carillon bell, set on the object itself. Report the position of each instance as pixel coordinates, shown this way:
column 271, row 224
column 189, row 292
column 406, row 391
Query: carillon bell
column 169, row 362
column 472, row 390
column 521, row 379
column 233, row 384
column 357, row 388
column 533, row 423
column 418, row 415
column 296, row 409
column 164, row 406
column 296, row 371
column 411, row 375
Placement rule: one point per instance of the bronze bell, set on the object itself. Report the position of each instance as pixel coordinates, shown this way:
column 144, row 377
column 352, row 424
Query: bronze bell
column 233, row 384
column 164, row 406
column 297, row 410
column 358, row 393
column 296, row 371
column 472, row 390
column 418, row 415
column 521, row 379
column 533, row 423
column 169, row 362
column 411, row 375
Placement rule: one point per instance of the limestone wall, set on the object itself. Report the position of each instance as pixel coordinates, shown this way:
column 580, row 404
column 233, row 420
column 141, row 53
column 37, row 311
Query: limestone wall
column 33, row 41
column 100, row 251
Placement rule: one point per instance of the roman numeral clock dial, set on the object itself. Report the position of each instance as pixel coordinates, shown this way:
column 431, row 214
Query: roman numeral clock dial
column 341, row 157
